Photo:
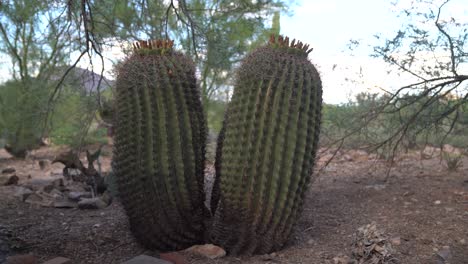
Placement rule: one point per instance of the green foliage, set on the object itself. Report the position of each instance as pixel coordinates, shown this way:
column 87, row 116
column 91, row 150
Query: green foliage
column 21, row 115
column 215, row 112
column 372, row 121
column 216, row 34
column 453, row 161
column 267, row 149
column 160, row 148
column 69, row 118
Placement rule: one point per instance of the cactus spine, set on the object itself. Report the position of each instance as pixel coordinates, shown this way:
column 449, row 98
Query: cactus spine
column 266, row 156
column 159, row 147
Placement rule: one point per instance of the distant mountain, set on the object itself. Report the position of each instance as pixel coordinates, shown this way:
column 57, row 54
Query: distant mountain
column 84, row 78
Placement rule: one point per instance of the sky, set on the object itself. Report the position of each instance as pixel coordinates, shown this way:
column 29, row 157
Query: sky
column 328, row 26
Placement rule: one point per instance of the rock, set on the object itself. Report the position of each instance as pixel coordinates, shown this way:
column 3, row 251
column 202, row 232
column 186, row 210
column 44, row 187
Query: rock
column 76, row 196
column 22, row 193
column 174, row 258
column 267, row 257
column 144, row 259
column 444, row 254
column 396, row 241
column 58, row 260
column 92, row 203
column 462, row 241
column 377, row 187
column 437, row 202
column 65, row 204
column 38, row 199
column 342, row 260
column 8, row 170
column 22, row 259
column 107, row 198
column 54, row 184
column 9, row 180
column 208, row 250
column 43, row 164
column 40, row 184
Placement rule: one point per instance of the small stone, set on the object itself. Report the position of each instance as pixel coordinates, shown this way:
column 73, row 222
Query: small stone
column 76, row 196
column 38, row 199
column 311, row 242
column 437, row 202
column 267, row 257
column 8, row 170
column 65, row 204
column 396, row 241
column 377, row 187
column 208, row 250
column 341, row 260
column 462, row 241
column 144, row 259
column 22, row 259
column 42, row 164
column 445, row 253
column 174, row 258
column 58, row 260
column 107, row 198
column 9, row 180
column 92, row 203
column 38, row 184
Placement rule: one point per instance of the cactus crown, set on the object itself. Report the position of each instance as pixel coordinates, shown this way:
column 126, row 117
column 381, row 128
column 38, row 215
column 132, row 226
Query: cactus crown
column 155, row 46
column 293, row 47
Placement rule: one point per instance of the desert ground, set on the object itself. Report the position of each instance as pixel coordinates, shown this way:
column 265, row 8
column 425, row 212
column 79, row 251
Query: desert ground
column 358, row 210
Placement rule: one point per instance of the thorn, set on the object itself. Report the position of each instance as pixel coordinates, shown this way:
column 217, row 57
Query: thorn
column 286, row 40
column 272, row 39
column 293, row 43
column 299, row 45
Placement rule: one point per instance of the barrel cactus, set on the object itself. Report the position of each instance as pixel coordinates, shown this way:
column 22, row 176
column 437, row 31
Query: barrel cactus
column 266, row 156
column 159, row 146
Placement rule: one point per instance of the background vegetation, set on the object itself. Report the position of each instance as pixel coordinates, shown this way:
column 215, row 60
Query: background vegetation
column 48, row 96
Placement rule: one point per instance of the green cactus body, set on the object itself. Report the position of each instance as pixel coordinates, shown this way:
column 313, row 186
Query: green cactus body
column 159, row 146
column 266, row 155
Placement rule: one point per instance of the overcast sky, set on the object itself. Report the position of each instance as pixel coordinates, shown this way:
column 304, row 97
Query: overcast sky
column 329, row 25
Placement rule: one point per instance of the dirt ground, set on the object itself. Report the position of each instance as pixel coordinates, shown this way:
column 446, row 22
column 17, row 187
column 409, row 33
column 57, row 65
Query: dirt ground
column 422, row 209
